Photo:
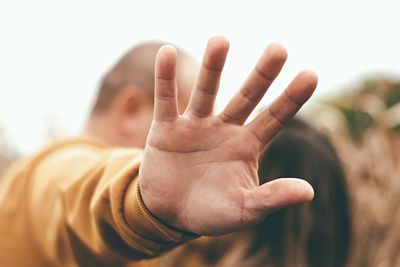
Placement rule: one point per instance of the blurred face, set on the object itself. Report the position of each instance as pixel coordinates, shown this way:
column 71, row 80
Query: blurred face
column 185, row 78
column 141, row 126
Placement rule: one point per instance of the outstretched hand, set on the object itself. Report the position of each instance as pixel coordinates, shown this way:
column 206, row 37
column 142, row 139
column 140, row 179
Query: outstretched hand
column 199, row 171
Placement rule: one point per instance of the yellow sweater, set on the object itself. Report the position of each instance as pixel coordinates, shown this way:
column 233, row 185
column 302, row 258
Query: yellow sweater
column 78, row 203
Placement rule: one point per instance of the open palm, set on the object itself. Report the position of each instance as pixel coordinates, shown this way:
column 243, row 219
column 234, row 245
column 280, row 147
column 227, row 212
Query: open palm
column 199, row 171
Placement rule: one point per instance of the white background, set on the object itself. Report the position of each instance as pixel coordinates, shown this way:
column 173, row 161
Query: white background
column 53, row 53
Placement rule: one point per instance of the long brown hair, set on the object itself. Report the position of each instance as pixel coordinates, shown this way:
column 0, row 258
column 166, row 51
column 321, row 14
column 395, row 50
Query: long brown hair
column 314, row 234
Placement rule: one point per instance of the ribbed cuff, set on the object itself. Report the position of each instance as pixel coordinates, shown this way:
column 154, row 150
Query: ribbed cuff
column 147, row 226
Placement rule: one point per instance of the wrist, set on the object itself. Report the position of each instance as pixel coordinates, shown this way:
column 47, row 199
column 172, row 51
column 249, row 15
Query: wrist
column 140, row 219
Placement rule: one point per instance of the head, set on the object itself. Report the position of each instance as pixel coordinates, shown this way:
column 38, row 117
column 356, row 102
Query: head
column 123, row 109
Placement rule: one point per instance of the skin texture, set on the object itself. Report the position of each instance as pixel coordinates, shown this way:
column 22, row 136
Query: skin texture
column 199, row 170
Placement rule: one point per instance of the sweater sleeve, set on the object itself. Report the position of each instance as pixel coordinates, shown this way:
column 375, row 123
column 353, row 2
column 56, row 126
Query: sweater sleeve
column 85, row 207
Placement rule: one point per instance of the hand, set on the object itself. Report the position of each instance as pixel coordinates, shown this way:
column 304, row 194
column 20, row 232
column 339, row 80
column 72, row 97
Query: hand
column 199, row 171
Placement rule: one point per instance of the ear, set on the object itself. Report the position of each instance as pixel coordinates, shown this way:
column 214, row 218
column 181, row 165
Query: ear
column 127, row 109
column 129, row 102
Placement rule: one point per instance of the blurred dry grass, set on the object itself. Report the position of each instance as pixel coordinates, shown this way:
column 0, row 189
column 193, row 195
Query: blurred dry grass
column 7, row 152
column 364, row 125
column 54, row 130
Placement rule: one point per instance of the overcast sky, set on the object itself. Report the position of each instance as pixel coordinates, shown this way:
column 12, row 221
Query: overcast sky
column 54, row 53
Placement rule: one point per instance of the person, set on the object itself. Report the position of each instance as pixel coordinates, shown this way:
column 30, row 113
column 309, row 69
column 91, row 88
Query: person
column 312, row 235
column 91, row 202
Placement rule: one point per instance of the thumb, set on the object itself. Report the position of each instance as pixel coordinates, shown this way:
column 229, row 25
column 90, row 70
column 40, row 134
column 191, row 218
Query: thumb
column 278, row 194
